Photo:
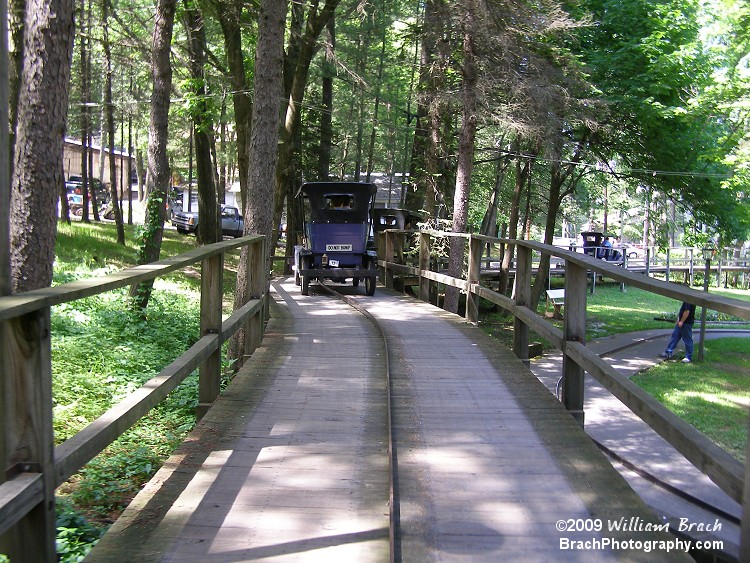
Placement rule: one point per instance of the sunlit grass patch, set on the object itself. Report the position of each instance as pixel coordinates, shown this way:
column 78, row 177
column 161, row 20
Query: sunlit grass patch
column 713, row 396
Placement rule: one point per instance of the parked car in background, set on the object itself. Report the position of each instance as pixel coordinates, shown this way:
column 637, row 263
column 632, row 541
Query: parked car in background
column 633, row 251
column 232, row 224
column 74, row 185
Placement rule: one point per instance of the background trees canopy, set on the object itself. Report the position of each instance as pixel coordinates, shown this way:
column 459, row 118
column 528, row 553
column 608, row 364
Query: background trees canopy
column 599, row 113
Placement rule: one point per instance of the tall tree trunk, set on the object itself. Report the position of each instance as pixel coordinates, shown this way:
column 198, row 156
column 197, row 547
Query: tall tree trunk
column 489, row 221
column 16, row 16
column 373, row 133
column 363, row 47
column 296, row 72
column 221, row 186
column 38, row 160
column 230, row 18
column 129, row 181
column 85, row 98
column 469, row 99
column 414, row 198
column 208, row 227
column 560, row 177
column 157, row 177
column 140, row 172
column 110, row 113
column 326, row 115
column 523, row 170
column 428, row 150
column 269, row 59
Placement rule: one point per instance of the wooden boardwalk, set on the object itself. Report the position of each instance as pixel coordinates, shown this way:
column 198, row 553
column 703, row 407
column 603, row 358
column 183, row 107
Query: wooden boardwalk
column 291, row 462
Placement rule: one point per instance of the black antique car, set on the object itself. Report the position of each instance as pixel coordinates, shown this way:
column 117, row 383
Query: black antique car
column 597, row 244
column 337, row 226
column 393, row 218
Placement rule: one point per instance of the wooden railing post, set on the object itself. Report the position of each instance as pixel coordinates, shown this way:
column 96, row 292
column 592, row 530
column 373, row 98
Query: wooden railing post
column 669, row 265
column 27, row 425
column 388, row 281
column 424, row 264
column 522, row 299
column 475, row 262
column 574, row 330
column 256, row 286
column 745, row 524
column 380, row 249
column 398, row 255
column 209, row 373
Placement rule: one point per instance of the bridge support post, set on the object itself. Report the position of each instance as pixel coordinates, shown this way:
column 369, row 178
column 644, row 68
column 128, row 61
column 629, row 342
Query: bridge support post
column 475, row 258
column 388, row 280
column 574, row 330
column 667, row 271
column 27, row 427
column 523, row 298
column 424, row 265
column 209, row 373
column 256, row 285
column 745, row 524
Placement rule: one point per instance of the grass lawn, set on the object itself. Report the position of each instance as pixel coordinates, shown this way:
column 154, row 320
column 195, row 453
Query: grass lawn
column 713, row 396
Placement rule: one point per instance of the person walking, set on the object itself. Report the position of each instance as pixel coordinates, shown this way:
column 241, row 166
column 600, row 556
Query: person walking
column 682, row 330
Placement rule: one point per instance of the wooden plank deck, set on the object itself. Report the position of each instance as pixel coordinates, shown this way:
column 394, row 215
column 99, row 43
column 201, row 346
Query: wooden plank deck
column 290, row 463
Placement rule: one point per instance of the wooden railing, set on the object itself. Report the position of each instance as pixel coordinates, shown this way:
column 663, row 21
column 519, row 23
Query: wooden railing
column 33, row 466
column 721, row 467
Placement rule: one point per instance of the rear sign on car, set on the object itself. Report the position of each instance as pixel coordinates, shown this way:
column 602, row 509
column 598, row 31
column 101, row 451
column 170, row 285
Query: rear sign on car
column 338, row 247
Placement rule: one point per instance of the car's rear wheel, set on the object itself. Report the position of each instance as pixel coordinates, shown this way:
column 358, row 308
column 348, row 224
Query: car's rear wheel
column 305, row 279
column 370, row 280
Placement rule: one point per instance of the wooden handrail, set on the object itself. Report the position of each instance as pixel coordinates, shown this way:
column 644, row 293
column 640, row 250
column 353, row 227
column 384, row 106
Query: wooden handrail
column 27, row 495
column 22, row 303
column 722, row 468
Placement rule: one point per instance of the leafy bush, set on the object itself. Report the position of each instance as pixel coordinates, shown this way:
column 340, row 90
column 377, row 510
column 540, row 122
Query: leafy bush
column 75, row 535
column 102, row 350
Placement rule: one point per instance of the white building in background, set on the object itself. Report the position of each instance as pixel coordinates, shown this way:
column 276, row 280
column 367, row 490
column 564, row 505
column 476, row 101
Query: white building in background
column 391, row 190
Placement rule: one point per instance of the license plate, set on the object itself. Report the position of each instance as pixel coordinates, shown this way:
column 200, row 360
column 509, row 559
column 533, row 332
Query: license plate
column 333, row 263
column 338, row 247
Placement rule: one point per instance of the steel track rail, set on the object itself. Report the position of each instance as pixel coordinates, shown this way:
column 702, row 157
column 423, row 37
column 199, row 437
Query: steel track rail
column 393, row 500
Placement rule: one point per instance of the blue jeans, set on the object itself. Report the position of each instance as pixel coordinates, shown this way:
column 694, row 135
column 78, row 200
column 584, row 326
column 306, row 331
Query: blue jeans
column 686, row 334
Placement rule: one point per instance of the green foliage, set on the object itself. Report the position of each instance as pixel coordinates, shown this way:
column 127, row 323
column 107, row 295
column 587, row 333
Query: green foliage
column 101, row 351
column 197, row 106
column 147, row 233
column 75, row 535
